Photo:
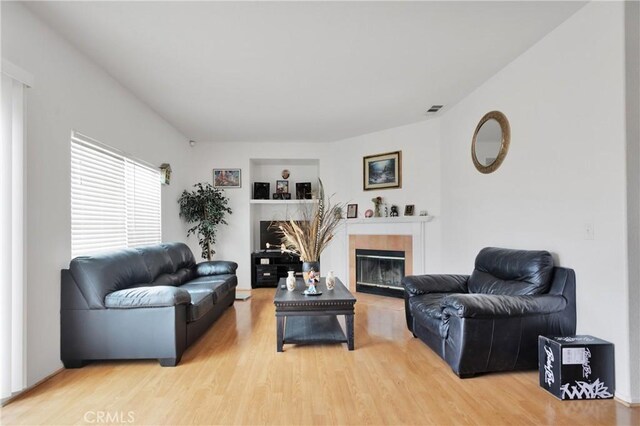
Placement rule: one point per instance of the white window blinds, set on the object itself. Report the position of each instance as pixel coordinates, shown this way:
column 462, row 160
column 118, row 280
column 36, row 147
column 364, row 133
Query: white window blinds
column 115, row 200
column 143, row 204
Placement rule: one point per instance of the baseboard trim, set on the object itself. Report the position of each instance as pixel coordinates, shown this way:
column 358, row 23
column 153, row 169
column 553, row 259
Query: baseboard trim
column 26, row 390
column 243, row 294
column 626, row 403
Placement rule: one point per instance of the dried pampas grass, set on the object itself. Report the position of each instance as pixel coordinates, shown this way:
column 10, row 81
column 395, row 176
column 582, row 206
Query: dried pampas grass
column 309, row 236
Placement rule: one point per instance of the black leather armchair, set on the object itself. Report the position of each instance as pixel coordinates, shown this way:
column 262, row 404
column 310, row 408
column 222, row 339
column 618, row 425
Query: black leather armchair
column 491, row 320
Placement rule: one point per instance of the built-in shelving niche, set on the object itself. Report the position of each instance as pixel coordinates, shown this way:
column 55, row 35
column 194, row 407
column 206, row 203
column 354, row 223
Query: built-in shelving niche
column 270, row 170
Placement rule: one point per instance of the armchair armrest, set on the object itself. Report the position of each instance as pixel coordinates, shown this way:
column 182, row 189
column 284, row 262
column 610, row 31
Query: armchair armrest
column 501, row 306
column 216, row 267
column 147, row 297
column 416, row 285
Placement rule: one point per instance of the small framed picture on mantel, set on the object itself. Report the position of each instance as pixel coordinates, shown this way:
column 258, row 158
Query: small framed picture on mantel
column 352, row 211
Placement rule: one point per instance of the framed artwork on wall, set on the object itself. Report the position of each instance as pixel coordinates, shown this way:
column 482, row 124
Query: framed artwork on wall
column 382, row 171
column 226, row 178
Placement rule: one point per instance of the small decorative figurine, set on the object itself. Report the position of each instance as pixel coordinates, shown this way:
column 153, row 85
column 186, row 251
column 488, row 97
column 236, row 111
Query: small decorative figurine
column 291, row 281
column 313, row 278
column 377, row 202
column 331, row 281
column 394, row 211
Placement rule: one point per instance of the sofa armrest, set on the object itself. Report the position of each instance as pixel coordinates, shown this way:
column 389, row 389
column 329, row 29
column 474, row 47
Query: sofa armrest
column 147, row 297
column 216, row 267
column 416, row 285
column 500, row 306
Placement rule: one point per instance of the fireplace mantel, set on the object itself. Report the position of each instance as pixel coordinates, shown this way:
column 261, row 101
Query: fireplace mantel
column 386, row 220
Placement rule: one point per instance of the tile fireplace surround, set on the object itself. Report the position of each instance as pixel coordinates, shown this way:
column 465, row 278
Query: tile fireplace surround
column 402, row 234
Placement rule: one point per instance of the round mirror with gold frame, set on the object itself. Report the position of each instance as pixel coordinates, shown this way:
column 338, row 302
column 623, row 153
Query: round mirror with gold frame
column 490, row 142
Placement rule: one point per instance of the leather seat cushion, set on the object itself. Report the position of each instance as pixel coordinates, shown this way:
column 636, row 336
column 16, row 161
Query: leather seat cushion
column 214, row 285
column 427, row 310
column 201, row 303
column 147, row 297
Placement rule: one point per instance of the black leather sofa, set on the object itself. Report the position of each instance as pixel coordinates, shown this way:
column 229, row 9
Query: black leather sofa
column 149, row 302
column 490, row 320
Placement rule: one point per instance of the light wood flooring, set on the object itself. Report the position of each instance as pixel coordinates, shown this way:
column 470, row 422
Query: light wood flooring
column 233, row 375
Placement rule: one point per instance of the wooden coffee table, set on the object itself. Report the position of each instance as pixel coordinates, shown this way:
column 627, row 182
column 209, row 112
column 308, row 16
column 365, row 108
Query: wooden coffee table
column 304, row 319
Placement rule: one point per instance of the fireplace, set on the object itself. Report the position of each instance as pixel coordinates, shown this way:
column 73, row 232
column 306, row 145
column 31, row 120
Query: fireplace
column 380, row 272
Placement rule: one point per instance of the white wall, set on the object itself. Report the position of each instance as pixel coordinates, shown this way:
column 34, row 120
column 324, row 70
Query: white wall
column 565, row 100
column 632, row 80
column 72, row 93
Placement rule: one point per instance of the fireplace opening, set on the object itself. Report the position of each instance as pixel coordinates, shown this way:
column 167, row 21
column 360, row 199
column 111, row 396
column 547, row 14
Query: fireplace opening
column 380, row 272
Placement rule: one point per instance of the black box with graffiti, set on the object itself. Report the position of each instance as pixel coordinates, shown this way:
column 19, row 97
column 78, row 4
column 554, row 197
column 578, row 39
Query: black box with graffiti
column 577, row 367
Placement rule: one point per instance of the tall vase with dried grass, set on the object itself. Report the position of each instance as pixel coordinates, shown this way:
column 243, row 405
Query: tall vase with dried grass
column 310, row 235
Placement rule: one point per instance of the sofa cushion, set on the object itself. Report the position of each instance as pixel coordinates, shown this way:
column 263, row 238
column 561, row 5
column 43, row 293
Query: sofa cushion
column 511, row 272
column 218, row 287
column 181, row 255
column 201, row 303
column 102, row 274
column 230, row 279
column 147, row 297
column 427, row 310
column 157, row 260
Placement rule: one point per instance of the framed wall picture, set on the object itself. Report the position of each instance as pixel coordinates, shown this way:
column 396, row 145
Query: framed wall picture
column 382, row 171
column 352, row 211
column 409, row 210
column 226, row 178
column 282, row 186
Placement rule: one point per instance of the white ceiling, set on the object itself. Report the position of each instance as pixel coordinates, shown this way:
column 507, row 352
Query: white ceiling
column 300, row 71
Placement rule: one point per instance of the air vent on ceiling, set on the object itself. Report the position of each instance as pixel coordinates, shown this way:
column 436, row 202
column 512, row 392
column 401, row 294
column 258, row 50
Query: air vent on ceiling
column 434, row 108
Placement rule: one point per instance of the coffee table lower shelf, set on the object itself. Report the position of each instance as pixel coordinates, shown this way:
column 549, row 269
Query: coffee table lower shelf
column 315, row 329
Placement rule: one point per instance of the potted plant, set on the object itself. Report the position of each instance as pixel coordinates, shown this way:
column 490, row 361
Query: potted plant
column 308, row 237
column 206, row 206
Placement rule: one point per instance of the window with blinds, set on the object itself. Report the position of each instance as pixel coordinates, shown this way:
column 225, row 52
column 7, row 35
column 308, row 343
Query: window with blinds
column 115, row 200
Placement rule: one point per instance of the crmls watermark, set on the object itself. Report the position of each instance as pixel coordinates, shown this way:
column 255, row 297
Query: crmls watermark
column 109, row 417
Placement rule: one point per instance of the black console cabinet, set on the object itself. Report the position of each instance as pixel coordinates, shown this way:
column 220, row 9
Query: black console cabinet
column 268, row 267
